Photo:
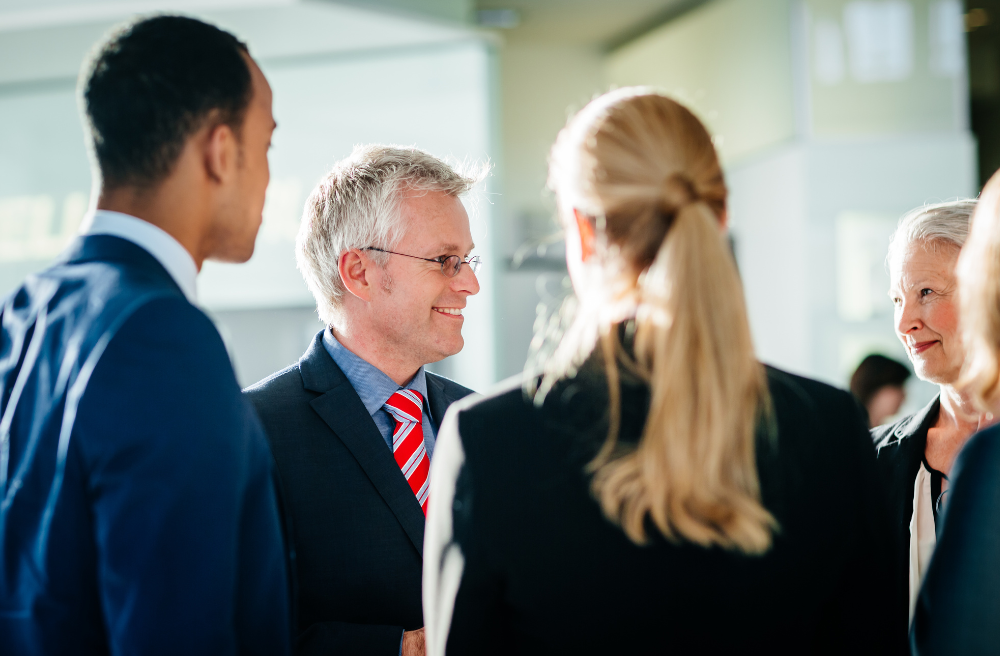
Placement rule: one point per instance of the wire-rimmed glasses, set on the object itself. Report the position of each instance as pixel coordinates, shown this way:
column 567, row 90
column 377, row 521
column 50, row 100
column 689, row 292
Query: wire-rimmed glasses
column 450, row 264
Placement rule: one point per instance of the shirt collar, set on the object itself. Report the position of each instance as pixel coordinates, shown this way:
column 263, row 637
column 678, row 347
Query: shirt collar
column 919, row 423
column 372, row 384
column 157, row 242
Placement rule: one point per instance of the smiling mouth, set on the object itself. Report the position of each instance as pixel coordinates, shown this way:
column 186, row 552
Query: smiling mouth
column 920, row 347
column 455, row 312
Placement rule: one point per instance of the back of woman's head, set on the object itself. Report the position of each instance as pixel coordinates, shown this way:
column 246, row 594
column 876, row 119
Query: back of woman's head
column 979, row 298
column 643, row 169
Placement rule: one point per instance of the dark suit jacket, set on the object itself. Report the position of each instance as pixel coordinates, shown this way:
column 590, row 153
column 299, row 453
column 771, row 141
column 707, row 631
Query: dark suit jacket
column 958, row 610
column 359, row 531
column 545, row 573
column 139, row 514
column 900, row 449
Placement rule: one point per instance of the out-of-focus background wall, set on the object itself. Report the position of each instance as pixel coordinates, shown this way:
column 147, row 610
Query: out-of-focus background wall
column 833, row 117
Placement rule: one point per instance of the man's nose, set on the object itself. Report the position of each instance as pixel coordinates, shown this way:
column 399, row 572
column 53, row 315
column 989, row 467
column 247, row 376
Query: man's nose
column 466, row 280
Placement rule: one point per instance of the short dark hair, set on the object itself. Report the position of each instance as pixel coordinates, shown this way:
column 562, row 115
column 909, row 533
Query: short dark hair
column 153, row 84
column 874, row 373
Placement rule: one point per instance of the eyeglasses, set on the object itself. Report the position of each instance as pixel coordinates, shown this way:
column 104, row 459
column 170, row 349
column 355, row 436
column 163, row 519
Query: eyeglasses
column 450, row 265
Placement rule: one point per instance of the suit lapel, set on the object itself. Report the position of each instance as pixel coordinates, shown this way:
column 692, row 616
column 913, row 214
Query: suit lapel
column 342, row 410
column 437, row 398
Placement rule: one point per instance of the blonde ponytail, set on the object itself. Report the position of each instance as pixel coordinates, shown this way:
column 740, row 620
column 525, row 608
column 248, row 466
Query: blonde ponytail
column 693, row 472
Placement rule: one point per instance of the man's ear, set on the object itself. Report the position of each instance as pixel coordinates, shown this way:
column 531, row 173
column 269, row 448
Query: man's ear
column 587, row 230
column 221, row 152
column 353, row 268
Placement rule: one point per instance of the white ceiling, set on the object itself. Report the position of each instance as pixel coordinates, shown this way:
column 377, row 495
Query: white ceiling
column 47, row 39
column 600, row 23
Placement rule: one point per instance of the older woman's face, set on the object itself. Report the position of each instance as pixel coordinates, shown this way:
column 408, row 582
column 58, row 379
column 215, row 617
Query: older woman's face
column 926, row 310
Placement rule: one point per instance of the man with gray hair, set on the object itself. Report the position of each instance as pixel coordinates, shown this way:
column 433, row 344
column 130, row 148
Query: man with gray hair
column 385, row 248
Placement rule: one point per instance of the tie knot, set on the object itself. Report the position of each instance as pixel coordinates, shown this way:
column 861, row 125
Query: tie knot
column 406, row 405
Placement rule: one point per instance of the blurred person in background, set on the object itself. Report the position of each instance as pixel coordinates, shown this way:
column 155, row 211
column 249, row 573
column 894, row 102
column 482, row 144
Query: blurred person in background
column 139, row 512
column 385, row 248
column 879, row 385
column 662, row 490
column 958, row 609
column 915, row 453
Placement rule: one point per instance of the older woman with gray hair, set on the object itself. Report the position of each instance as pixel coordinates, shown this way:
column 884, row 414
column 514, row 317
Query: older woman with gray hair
column 959, row 601
column 916, row 453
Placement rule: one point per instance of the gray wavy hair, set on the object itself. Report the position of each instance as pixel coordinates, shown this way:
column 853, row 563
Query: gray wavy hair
column 357, row 204
column 932, row 225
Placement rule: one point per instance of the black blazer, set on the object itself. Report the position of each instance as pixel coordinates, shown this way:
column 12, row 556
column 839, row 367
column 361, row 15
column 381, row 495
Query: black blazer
column 958, row 610
column 900, row 449
column 539, row 570
column 358, row 529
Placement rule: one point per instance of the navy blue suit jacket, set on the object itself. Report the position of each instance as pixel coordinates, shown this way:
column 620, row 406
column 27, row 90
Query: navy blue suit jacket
column 139, row 513
column 359, row 531
column 958, row 610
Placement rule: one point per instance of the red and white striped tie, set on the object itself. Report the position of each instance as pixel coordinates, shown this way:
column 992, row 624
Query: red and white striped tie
column 406, row 407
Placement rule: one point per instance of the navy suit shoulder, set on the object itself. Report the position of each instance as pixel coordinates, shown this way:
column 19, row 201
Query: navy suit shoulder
column 140, row 480
column 186, row 430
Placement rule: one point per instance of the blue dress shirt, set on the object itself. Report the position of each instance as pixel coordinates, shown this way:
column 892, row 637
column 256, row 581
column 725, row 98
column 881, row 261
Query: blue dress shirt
column 375, row 387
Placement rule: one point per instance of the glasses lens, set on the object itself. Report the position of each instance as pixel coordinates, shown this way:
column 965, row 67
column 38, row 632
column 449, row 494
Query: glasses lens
column 451, row 265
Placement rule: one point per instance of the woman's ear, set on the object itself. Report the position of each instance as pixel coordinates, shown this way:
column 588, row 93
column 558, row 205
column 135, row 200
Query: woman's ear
column 587, row 229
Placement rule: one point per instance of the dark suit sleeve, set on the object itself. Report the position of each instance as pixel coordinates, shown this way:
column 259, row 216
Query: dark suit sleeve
column 958, row 610
column 462, row 589
column 191, row 555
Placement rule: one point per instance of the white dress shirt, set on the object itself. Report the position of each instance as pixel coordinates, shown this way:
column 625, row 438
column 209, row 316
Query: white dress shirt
column 158, row 243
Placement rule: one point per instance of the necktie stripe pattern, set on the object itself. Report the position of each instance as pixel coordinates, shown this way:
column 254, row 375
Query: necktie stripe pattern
column 406, row 407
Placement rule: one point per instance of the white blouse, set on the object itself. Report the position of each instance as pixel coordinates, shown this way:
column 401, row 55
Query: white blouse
column 923, row 536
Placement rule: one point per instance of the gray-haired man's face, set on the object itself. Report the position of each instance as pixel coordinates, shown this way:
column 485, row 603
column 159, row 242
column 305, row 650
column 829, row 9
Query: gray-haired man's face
column 420, row 311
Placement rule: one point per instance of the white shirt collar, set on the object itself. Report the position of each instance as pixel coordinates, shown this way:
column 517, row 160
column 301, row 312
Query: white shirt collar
column 158, row 243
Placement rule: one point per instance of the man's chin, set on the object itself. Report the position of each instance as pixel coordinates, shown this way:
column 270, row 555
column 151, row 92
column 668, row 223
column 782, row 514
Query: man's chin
column 234, row 254
column 447, row 350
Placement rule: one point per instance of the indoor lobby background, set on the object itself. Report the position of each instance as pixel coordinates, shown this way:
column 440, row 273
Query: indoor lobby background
column 833, row 118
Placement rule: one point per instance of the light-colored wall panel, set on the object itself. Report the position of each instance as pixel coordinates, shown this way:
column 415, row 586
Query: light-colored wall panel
column 731, row 62
column 901, row 67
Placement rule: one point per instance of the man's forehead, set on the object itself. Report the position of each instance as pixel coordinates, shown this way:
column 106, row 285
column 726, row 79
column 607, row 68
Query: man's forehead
column 262, row 88
column 438, row 221
column 451, row 246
